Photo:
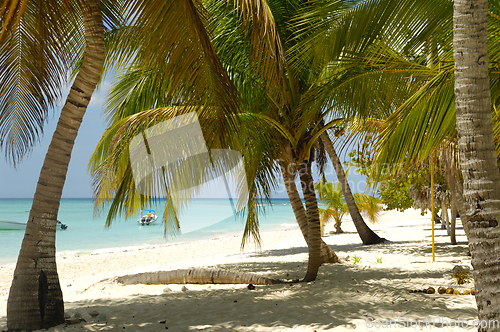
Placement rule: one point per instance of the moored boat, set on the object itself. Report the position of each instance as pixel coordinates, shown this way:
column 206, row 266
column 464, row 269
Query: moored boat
column 13, row 225
column 147, row 217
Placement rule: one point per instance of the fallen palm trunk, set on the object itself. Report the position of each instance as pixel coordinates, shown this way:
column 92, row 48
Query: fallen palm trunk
column 196, row 276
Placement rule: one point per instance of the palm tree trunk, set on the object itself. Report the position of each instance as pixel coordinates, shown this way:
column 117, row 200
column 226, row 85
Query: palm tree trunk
column 444, row 218
column 365, row 233
column 456, row 189
column 35, row 297
column 196, row 276
column 453, row 222
column 327, row 254
column 477, row 152
column 313, row 225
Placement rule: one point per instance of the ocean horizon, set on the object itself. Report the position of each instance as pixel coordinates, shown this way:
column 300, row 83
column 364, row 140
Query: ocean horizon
column 203, row 218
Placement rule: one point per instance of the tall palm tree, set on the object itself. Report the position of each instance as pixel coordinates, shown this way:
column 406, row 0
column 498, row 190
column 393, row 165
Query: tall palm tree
column 365, row 233
column 478, row 157
column 269, row 96
column 327, row 254
column 40, row 43
column 276, row 97
column 35, row 298
column 433, row 102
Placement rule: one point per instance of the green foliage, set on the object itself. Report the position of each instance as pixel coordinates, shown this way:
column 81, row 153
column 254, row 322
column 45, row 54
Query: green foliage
column 379, row 260
column 394, row 194
column 356, row 259
column 392, row 184
column 393, row 191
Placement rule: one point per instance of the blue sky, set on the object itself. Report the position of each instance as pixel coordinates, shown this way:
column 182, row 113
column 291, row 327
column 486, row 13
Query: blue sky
column 21, row 182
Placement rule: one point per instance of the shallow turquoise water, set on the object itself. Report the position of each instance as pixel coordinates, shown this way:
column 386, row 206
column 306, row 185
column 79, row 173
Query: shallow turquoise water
column 204, row 218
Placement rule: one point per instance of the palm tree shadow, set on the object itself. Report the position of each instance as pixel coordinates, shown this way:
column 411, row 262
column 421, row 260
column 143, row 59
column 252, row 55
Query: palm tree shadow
column 344, row 296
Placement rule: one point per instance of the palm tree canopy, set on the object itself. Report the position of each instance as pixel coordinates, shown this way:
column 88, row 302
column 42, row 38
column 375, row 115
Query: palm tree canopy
column 404, row 77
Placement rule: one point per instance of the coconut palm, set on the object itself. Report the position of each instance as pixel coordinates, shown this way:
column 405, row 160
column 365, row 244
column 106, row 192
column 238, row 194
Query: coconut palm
column 365, row 233
column 277, row 99
column 44, row 52
column 478, row 158
column 331, row 195
column 41, row 43
column 432, row 120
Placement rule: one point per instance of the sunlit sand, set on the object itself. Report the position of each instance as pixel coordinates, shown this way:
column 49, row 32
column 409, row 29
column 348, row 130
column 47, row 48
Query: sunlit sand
column 370, row 289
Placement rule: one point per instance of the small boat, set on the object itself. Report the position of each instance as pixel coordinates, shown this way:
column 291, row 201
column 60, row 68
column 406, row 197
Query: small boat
column 148, row 217
column 13, row 225
column 61, row 225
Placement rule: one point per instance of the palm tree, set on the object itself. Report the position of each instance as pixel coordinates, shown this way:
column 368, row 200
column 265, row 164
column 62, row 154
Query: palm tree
column 331, row 195
column 431, row 122
column 35, row 298
column 365, row 233
column 268, row 97
column 478, row 157
column 276, row 97
column 40, row 43
column 327, row 254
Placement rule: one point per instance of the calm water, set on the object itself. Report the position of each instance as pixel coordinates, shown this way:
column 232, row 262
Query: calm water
column 204, row 218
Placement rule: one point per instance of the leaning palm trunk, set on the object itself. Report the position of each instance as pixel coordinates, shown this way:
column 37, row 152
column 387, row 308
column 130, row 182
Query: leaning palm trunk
column 444, row 217
column 196, row 276
column 327, row 254
column 365, row 233
column 313, row 224
column 477, row 153
column 456, row 191
column 453, row 222
column 35, row 298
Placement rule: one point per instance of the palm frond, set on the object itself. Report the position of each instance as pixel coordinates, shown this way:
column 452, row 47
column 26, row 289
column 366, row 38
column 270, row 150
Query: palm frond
column 35, row 56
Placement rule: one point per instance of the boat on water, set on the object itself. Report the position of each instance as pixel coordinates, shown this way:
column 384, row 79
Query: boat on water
column 147, row 217
column 13, row 225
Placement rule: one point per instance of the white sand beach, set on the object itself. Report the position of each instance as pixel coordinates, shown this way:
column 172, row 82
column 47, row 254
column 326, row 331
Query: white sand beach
column 345, row 296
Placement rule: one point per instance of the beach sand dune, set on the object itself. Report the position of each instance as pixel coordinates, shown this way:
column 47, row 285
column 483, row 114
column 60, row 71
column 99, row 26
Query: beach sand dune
column 368, row 290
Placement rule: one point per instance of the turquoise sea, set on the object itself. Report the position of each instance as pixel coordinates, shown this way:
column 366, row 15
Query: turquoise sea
column 86, row 233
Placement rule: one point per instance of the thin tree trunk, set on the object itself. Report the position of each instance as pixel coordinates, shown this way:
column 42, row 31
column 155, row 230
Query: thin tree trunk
column 365, row 233
column 196, row 276
column 327, row 254
column 477, row 153
column 456, row 189
column 453, row 222
column 313, row 225
column 35, row 297
column 444, row 217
